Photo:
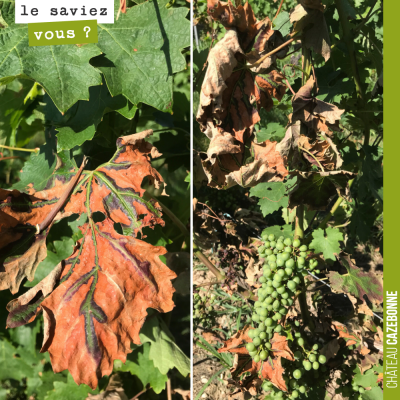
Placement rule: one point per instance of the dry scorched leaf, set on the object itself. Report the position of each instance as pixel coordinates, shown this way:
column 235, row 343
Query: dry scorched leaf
column 308, row 17
column 357, row 282
column 280, row 347
column 225, row 168
column 237, row 342
column 100, row 304
column 108, row 283
column 316, row 114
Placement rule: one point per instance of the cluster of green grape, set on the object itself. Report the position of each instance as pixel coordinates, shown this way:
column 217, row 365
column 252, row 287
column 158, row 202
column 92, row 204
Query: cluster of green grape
column 351, row 389
column 286, row 265
column 203, row 310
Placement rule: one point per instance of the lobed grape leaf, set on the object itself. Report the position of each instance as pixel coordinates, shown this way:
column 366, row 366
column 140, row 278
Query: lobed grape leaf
column 376, row 393
column 326, row 242
column 315, row 189
column 79, row 123
column 64, row 64
column 272, row 196
column 102, row 291
column 143, row 50
column 69, row 391
column 357, row 282
column 368, row 379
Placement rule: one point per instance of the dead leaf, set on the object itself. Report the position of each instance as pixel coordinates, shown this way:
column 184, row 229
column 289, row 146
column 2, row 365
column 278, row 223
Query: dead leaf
column 99, row 306
column 236, row 343
column 280, row 347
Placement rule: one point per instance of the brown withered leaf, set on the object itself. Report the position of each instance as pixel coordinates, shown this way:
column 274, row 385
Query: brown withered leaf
column 280, row 347
column 368, row 361
column 318, row 115
column 311, row 21
column 99, row 304
column 224, row 169
column 273, row 371
column 323, row 152
column 236, row 343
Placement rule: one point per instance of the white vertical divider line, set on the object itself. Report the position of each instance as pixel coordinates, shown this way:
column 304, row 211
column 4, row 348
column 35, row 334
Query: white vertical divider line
column 191, row 199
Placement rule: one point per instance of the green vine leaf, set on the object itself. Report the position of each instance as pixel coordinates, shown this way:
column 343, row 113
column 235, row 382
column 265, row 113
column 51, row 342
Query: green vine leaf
column 140, row 364
column 284, row 230
column 357, row 282
column 62, row 66
column 272, row 196
column 143, row 50
column 326, row 242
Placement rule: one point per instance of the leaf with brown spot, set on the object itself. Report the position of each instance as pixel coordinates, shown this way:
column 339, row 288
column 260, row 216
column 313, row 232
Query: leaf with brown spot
column 344, row 333
column 357, row 282
column 99, row 304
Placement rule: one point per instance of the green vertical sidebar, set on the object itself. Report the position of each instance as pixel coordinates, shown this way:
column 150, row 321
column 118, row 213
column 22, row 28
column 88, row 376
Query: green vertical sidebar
column 391, row 286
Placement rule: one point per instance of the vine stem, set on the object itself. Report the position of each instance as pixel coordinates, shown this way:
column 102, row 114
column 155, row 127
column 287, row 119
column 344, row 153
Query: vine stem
column 60, row 203
column 312, row 155
column 19, row 148
column 279, row 9
column 332, row 211
column 204, row 259
column 261, row 60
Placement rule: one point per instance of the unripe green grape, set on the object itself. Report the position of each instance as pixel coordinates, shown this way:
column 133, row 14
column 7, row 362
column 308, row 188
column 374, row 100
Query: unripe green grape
column 256, row 358
column 269, row 290
column 297, row 374
column 296, row 243
column 256, row 341
column 288, row 241
column 276, row 251
column 293, row 383
column 315, row 365
column 303, row 254
column 290, row 302
column 256, row 332
column 280, row 262
column 265, row 386
column 288, row 250
column 301, row 260
column 272, row 265
column 303, row 248
column 288, row 271
column 261, row 249
column 295, row 394
column 300, row 341
column 253, row 353
column 277, row 283
column 250, row 347
column 271, row 237
column 280, row 246
column 281, row 290
column 290, row 263
column 283, row 311
column 278, row 316
column 269, row 307
column 291, row 285
column 268, row 345
column 297, row 355
column 285, row 295
column 302, row 389
column 268, row 300
column 268, row 252
column 262, row 335
column 276, row 304
column 272, row 244
column 317, row 271
column 267, row 273
column 322, row 359
column 274, row 294
column 210, row 308
column 262, row 279
column 263, row 355
column 312, row 358
column 284, row 302
column 263, row 312
column 307, row 365
column 285, row 256
column 296, row 279
column 266, row 244
column 251, row 333
column 255, row 318
column 278, row 328
column 297, row 334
